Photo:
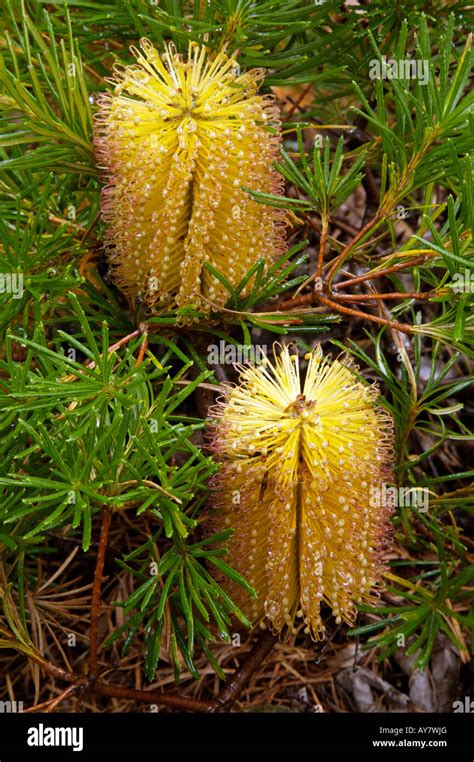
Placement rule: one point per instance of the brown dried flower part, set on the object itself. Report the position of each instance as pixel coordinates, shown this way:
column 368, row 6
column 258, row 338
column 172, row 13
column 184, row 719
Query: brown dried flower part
column 300, row 468
column 179, row 140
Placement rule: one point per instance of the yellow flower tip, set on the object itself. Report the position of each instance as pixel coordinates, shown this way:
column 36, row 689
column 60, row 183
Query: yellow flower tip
column 298, row 463
column 178, row 139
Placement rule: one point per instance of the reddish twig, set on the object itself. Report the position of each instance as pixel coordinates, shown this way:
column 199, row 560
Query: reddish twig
column 308, row 299
column 96, row 589
column 404, row 327
column 152, row 697
column 392, row 295
column 91, row 226
column 124, row 340
column 48, row 706
column 297, row 301
column 144, row 345
column 296, row 104
column 322, row 247
column 380, row 273
column 242, row 675
column 340, row 257
column 338, row 223
column 87, row 683
column 51, row 669
column 228, row 696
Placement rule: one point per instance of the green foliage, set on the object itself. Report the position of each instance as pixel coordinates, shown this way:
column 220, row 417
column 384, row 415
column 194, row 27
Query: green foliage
column 106, row 414
column 178, row 592
column 428, row 124
column 323, row 183
column 61, row 130
column 425, row 609
column 424, row 423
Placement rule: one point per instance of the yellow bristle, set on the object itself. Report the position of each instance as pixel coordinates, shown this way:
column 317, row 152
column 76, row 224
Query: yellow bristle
column 297, row 466
column 179, row 140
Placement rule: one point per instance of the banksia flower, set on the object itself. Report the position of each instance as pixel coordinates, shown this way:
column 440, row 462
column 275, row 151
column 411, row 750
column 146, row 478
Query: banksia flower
column 178, row 139
column 297, row 464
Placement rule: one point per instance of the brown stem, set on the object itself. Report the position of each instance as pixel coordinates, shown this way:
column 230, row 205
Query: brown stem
column 91, row 227
column 404, row 327
column 227, row 697
column 322, row 247
column 338, row 223
column 297, row 301
column 51, row 669
column 153, row 697
column 48, row 706
column 144, row 346
column 296, row 103
column 393, row 295
column 70, row 223
column 83, row 682
column 340, row 257
column 308, row 299
column 96, row 588
column 242, row 675
column 122, row 341
column 380, row 273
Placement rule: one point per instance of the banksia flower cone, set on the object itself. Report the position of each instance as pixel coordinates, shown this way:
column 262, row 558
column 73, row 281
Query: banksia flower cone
column 178, row 139
column 297, row 463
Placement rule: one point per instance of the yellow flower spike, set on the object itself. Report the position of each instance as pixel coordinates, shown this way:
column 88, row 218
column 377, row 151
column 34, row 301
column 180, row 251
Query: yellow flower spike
column 178, row 140
column 298, row 463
